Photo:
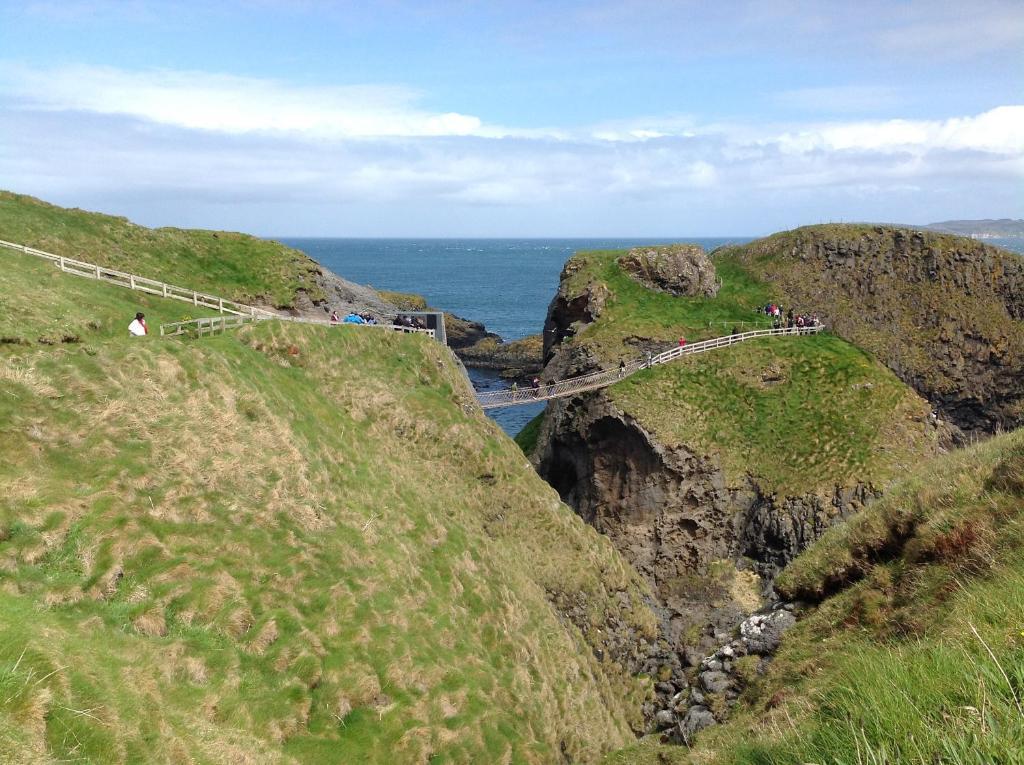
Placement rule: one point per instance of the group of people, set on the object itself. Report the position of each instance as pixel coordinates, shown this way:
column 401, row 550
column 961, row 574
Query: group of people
column 353, row 318
column 789, row 319
column 534, row 388
column 412, row 322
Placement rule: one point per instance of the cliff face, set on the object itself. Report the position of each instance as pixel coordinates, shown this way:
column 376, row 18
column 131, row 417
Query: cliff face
column 945, row 313
column 712, row 473
column 708, row 545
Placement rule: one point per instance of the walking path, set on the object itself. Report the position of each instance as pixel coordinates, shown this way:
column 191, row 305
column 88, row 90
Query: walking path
column 606, row 377
column 236, row 313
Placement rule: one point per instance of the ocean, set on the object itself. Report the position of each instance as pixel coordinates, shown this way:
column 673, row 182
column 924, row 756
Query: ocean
column 504, row 283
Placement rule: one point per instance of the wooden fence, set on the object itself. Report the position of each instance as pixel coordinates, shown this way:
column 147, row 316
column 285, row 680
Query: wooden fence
column 213, row 324
column 240, row 313
column 141, row 283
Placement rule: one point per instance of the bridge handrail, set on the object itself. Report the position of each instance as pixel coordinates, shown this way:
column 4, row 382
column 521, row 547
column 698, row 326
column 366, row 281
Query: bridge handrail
column 603, row 377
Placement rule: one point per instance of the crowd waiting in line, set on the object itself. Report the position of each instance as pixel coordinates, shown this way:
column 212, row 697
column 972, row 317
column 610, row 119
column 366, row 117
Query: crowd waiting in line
column 353, row 318
column 406, row 322
column 788, row 320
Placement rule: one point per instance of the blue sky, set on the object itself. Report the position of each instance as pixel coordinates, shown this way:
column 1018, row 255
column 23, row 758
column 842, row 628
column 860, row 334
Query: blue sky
column 463, row 118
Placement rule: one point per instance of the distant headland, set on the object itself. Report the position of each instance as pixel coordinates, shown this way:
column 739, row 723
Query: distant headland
column 1003, row 228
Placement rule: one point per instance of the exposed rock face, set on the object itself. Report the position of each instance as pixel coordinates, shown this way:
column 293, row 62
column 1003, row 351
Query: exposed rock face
column 573, row 307
column 945, row 313
column 514, row 358
column 678, row 269
column 675, row 518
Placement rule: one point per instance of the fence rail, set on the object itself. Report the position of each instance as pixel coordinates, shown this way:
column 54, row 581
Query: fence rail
column 605, row 377
column 211, row 325
column 202, row 326
column 140, row 283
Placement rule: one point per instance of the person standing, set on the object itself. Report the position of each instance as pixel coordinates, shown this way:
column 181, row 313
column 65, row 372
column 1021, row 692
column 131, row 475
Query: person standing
column 682, row 342
column 622, row 369
column 138, row 327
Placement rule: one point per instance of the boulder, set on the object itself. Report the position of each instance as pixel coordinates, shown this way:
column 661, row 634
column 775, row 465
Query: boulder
column 697, row 719
column 763, row 633
column 714, row 681
column 678, row 269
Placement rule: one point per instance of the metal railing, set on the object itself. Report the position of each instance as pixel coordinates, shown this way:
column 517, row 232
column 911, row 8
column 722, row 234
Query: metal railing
column 605, row 377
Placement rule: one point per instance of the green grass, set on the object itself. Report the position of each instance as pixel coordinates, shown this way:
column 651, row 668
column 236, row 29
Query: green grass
column 916, row 653
column 289, row 543
column 799, row 414
column 527, row 437
column 907, row 319
column 633, row 310
column 231, row 265
column 39, row 304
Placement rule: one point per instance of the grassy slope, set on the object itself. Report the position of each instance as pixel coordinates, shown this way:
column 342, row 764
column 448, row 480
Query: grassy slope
column 916, row 314
column 291, row 542
column 918, row 656
column 835, row 416
column 40, row 304
column 634, row 310
column 231, row 265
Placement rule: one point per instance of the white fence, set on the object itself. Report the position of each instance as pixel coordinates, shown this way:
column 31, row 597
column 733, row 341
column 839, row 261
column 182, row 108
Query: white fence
column 141, row 283
column 202, row 326
column 605, row 377
column 213, row 324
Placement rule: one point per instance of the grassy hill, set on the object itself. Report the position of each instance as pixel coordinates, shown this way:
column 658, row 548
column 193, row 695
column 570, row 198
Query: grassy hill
column 39, row 304
column 915, row 653
column 236, row 266
column 800, row 414
column 291, row 543
column 944, row 312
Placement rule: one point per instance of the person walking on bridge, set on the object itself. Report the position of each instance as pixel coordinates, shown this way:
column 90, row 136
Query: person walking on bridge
column 622, row 369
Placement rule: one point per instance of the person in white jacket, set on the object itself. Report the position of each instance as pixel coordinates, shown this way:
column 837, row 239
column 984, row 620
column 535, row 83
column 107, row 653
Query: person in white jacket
column 138, row 327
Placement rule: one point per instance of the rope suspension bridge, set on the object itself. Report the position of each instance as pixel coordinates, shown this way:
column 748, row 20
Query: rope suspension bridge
column 605, row 377
column 234, row 314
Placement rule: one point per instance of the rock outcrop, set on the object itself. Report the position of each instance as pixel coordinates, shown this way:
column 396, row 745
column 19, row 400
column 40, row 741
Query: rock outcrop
column 678, row 269
column 945, row 313
column 708, row 547
column 514, row 358
column 575, row 305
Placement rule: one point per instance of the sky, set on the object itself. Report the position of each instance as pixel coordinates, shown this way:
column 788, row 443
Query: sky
column 528, row 118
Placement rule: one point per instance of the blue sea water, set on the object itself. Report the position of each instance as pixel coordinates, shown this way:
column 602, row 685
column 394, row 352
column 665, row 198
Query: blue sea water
column 504, row 283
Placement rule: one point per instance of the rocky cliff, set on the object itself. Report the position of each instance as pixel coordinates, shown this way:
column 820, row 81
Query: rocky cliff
column 712, row 473
column 945, row 313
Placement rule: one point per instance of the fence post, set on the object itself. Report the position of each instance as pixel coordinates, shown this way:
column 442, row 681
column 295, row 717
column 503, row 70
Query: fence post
column 164, row 285
column 62, row 266
column 131, row 280
column 195, row 298
column 97, row 272
column 220, row 304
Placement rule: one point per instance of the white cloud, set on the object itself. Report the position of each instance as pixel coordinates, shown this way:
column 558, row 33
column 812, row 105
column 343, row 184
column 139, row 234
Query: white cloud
column 230, row 104
column 229, row 141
